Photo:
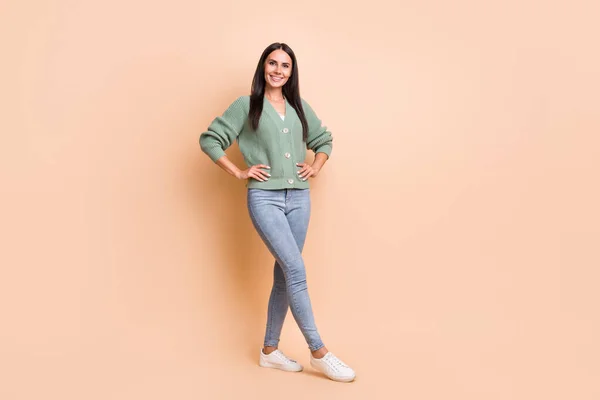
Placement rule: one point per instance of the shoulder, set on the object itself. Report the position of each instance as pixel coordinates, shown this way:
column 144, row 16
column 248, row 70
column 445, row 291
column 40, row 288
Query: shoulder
column 304, row 103
column 244, row 99
column 306, row 106
column 308, row 110
column 238, row 107
column 242, row 102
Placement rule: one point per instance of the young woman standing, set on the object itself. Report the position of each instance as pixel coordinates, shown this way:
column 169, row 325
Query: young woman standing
column 274, row 126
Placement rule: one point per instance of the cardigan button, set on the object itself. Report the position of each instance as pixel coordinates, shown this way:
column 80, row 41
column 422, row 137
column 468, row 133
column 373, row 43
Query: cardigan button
column 290, row 181
column 287, row 155
column 285, row 130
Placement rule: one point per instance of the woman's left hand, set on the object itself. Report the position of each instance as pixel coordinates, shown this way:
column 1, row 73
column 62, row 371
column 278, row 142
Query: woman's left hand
column 307, row 171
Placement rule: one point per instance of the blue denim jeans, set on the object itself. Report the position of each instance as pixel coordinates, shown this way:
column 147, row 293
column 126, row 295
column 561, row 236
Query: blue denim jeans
column 281, row 219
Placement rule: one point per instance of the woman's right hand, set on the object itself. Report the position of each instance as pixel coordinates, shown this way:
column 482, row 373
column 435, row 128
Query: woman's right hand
column 255, row 172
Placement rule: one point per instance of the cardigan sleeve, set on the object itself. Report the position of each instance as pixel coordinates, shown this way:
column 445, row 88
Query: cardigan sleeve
column 223, row 130
column 319, row 137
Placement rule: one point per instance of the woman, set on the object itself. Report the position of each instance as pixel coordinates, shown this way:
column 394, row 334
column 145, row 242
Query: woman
column 274, row 127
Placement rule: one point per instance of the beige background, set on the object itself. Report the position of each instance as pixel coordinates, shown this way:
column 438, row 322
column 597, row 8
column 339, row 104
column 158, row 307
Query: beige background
column 454, row 243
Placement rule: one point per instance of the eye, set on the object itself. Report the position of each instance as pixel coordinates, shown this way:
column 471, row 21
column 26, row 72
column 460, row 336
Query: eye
column 271, row 62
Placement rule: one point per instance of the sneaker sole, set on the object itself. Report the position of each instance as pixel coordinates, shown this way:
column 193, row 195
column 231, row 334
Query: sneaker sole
column 266, row 364
column 349, row 379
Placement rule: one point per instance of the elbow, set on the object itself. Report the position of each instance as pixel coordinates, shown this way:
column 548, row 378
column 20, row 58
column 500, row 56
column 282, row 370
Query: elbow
column 213, row 149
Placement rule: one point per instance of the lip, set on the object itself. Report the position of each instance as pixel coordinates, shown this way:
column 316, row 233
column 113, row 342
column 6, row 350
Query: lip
column 276, row 78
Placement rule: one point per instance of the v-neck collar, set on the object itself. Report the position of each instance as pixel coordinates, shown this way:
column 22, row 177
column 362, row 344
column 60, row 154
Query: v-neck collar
column 273, row 112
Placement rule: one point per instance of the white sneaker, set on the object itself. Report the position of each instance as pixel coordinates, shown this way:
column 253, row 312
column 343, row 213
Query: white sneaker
column 333, row 368
column 278, row 360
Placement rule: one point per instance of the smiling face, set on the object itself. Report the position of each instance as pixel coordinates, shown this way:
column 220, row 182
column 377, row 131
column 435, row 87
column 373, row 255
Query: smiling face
column 278, row 69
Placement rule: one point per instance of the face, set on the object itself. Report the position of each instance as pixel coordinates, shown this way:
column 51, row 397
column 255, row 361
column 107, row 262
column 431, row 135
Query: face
column 278, row 68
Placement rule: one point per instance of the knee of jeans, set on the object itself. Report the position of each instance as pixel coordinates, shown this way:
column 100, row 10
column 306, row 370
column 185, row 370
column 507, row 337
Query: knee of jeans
column 297, row 286
column 296, row 277
column 295, row 268
column 279, row 284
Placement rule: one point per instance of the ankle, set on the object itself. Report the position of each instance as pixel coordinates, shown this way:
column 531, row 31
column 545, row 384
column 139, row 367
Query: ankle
column 269, row 349
column 320, row 353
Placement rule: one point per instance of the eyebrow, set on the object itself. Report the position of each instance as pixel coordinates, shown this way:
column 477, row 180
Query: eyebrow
column 285, row 62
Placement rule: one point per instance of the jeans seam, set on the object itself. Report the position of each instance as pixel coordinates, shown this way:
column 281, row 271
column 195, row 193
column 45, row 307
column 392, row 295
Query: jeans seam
column 270, row 322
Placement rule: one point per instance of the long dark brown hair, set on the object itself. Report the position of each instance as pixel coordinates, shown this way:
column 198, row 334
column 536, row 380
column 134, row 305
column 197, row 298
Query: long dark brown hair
column 291, row 89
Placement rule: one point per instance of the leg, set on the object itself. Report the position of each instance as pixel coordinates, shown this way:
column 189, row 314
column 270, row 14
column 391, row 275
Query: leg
column 298, row 216
column 277, row 309
column 269, row 213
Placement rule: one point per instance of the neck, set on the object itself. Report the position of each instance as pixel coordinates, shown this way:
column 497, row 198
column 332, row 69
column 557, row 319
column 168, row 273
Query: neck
column 273, row 93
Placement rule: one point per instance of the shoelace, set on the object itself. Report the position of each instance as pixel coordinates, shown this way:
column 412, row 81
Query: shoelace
column 283, row 357
column 336, row 362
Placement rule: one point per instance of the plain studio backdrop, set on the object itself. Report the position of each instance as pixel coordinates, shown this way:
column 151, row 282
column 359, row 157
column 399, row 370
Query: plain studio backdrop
column 453, row 249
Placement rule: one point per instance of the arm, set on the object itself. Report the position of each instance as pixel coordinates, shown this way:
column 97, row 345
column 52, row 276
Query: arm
column 320, row 159
column 319, row 141
column 228, row 166
column 319, row 138
column 223, row 130
column 221, row 134
column 253, row 172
